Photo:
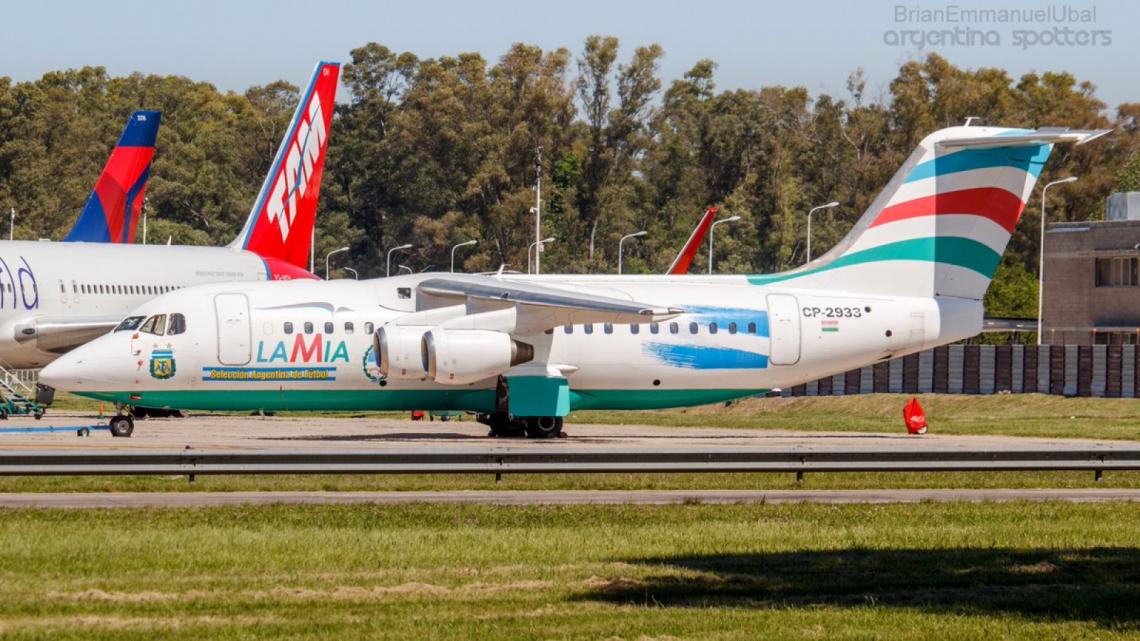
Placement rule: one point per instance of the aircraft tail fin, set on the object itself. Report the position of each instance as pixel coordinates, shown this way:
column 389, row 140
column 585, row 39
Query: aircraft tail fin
column 280, row 225
column 940, row 226
column 684, row 259
column 112, row 211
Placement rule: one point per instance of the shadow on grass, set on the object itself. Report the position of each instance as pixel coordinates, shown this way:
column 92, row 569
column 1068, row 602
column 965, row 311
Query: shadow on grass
column 1100, row 585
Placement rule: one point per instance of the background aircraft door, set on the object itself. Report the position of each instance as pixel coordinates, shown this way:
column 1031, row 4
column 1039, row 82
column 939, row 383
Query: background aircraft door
column 234, row 336
column 784, row 325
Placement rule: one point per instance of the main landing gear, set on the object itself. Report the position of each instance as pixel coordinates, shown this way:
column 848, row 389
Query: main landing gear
column 504, row 425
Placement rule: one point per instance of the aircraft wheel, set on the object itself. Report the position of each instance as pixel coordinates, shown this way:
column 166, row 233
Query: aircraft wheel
column 3, row 413
column 543, row 426
column 504, row 427
column 38, row 413
column 122, row 425
column 83, row 431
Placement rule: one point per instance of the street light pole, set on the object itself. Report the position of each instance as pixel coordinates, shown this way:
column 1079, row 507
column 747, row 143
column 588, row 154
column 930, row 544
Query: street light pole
column 355, row 275
column 712, row 228
column 1041, row 258
column 537, row 209
column 388, row 264
column 463, row 244
column 534, row 245
column 812, row 211
column 622, row 241
column 12, row 223
column 335, row 251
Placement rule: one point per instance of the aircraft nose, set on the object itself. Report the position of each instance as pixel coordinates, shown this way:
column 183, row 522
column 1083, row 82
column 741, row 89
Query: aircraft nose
column 79, row 369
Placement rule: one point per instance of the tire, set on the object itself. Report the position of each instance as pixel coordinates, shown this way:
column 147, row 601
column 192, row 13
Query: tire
column 543, row 426
column 38, row 413
column 83, row 431
column 504, row 427
column 122, row 426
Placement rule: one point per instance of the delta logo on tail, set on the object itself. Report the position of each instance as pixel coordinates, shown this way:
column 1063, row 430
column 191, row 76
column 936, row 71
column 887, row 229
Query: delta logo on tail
column 280, row 225
column 112, row 211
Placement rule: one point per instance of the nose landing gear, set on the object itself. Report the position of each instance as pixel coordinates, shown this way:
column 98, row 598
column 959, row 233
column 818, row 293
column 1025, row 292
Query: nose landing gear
column 121, row 424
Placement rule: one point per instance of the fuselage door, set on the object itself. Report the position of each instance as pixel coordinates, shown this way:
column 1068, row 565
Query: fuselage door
column 234, row 337
column 784, row 325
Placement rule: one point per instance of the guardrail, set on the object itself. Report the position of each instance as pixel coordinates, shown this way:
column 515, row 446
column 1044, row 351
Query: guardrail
column 550, row 461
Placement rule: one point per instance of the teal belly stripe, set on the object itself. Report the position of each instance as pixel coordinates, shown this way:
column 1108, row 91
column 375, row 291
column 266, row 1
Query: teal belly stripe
column 951, row 250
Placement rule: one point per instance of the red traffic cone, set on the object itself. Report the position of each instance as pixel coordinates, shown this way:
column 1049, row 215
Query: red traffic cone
column 914, row 417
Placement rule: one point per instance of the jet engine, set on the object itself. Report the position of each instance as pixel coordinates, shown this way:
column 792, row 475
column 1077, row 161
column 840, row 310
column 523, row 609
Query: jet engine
column 458, row 357
column 399, row 350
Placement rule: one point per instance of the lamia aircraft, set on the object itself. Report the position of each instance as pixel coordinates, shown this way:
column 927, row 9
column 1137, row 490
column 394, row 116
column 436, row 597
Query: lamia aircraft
column 57, row 296
column 523, row 351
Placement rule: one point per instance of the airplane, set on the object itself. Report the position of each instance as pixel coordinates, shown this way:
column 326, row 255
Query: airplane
column 523, row 351
column 111, row 213
column 57, row 296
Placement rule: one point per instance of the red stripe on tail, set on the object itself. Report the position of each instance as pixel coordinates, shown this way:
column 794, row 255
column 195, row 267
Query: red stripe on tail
column 993, row 203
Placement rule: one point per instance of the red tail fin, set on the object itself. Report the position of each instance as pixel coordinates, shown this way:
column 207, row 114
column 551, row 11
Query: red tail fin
column 683, row 260
column 280, row 225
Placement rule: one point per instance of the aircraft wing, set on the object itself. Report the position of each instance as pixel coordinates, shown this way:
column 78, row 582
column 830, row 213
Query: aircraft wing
column 59, row 334
column 541, row 306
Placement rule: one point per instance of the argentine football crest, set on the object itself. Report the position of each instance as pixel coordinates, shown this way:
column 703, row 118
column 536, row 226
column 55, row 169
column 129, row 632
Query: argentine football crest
column 162, row 364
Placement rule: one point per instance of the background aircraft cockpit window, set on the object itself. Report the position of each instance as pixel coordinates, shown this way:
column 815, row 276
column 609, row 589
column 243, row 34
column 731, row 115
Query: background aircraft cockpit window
column 288, row 327
column 129, row 323
column 329, row 327
column 155, row 325
column 403, row 292
column 177, row 324
column 308, row 327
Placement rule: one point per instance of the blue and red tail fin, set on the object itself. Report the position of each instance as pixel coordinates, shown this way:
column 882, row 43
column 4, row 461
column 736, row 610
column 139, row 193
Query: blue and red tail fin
column 280, row 225
column 684, row 259
column 112, row 211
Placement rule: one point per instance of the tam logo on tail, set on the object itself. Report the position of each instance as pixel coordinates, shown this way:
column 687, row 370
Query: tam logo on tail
column 280, row 225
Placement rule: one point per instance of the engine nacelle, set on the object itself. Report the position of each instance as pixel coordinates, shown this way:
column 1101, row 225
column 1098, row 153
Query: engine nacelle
column 462, row 356
column 400, row 352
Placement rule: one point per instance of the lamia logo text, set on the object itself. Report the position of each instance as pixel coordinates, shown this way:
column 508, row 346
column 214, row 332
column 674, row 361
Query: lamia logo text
column 302, row 155
column 315, row 350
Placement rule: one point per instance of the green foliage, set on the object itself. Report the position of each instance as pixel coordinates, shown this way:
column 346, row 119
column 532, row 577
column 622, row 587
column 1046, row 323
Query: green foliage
column 437, row 151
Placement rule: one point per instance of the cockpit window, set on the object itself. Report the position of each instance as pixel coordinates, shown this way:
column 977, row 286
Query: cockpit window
column 130, row 323
column 177, row 324
column 155, row 325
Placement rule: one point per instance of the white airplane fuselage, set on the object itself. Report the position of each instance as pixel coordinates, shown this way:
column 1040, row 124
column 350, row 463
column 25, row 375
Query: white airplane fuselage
column 89, row 286
column 309, row 345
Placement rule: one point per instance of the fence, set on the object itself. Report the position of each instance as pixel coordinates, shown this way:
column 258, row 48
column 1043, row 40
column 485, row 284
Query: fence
column 1069, row 370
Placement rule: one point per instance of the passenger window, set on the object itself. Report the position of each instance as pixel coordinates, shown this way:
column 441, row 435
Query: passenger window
column 693, row 328
column 712, row 328
column 288, row 327
column 674, row 328
column 177, row 324
column 155, row 325
column 608, row 328
column 308, row 327
column 634, row 328
column 403, row 292
column 329, row 327
column 732, row 328
column 654, row 328
column 751, row 328
column 368, row 328
column 130, row 323
column 349, row 328
column 569, row 329
column 588, row 328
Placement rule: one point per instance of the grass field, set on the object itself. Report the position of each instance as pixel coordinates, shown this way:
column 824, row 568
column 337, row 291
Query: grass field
column 948, row 571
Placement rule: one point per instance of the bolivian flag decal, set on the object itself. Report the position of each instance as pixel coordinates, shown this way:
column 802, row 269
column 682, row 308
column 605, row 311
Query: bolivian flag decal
column 829, row 325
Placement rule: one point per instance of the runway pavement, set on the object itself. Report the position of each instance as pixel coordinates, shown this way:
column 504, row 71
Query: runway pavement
column 317, row 433
column 73, row 500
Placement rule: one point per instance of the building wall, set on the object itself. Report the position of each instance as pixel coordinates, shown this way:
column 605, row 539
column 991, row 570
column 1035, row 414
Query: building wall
column 1078, row 311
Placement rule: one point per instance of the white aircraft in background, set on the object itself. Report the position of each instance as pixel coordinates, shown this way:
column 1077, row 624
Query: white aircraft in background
column 57, row 296
column 523, row 351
